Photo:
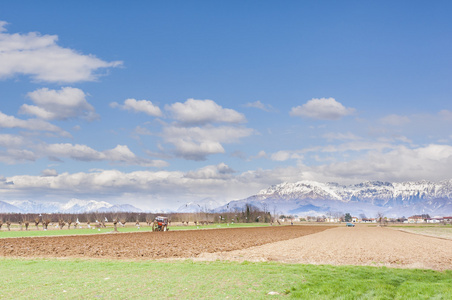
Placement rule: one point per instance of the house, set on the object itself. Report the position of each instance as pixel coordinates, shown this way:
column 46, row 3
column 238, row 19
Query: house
column 354, row 220
column 369, row 220
column 416, row 219
column 447, row 220
column 435, row 220
column 333, row 220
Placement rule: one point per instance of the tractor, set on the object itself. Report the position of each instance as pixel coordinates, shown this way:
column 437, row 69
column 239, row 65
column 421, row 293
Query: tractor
column 160, row 224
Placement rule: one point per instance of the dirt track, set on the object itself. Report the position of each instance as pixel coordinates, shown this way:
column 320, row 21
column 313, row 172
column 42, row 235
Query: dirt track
column 151, row 245
column 373, row 246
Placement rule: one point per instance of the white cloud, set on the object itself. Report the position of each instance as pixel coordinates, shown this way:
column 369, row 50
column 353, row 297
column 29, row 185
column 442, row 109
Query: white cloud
column 144, row 106
column 15, row 155
column 195, row 143
column 141, row 131
column 432, row 162
column 11, row 141
column 30, row 124
column 49, row 172
column 322, row 109
column 220, row 171
column 77, row 152
column 260, row 154
column 446, row 114
column 119, row 154
column 395, row 120
column 64, row 104
column 201, row 112
column 260, row 105
column 40, row 57
column 284, row 155
column 165, row 188
column 156, row 190
column 340, row 136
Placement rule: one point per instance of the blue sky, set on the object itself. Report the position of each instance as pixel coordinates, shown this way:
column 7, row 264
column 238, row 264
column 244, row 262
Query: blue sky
column 157, row 103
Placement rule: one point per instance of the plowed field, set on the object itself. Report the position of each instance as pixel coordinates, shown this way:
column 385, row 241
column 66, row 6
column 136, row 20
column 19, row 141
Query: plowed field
column 152, row 245
column 361, row 245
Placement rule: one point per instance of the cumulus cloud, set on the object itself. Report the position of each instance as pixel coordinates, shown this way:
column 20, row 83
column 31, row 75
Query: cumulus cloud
column 49, row 172
column 201, row 112
column 14, row 156
column 195, row 143
column 119, row 154
column 431, row 162
column 144, row 106
column 30, row 124
column 40, row 57
column 284, row 155
column 11, row 141
column 220, row 171
column 156, row 190
column 77, row 152
column 64, row 104
column 322, row 109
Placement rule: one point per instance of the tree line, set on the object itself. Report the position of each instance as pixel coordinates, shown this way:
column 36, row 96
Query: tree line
column 247, row 214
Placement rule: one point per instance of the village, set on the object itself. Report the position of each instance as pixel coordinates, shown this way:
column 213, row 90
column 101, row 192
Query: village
column 415, row 219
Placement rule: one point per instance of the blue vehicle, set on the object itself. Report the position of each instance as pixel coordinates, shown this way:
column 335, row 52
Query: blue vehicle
column 350, row 224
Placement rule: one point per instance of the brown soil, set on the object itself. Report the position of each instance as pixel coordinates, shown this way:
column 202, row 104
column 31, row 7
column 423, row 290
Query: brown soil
column 373, row 246
column 151, row 245
column 360, row 245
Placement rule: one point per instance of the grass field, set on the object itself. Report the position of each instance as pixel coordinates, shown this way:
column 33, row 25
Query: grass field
column 444, row 232
column 4, row 233
column 102, row 279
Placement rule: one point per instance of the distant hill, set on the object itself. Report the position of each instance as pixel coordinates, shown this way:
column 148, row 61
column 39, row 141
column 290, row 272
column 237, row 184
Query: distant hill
column 205, row 205
column 73, row 206
column 368, row 198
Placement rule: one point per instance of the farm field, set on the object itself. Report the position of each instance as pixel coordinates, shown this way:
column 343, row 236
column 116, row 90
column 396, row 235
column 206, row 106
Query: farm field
column 444, row 232
column 360, row 245
column 234, row 263
column 151, row 245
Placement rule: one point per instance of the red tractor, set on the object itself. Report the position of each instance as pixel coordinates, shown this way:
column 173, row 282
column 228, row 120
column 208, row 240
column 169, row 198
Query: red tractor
column 160, row 224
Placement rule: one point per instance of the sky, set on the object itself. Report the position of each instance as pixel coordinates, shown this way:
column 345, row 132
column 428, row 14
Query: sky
column 160, row 103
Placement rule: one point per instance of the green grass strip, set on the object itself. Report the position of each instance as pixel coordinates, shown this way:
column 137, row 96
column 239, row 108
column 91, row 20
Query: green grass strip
column 106, row 279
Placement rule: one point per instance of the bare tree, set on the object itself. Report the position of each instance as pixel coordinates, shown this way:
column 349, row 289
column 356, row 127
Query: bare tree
column 381, row 218
column 115, row 223
column 26, row 223
column 123, row 219
column 45, row 222
column 61, row 223
column 37, row 220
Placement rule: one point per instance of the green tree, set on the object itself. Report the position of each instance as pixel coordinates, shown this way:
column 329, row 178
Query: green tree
column 348, row 217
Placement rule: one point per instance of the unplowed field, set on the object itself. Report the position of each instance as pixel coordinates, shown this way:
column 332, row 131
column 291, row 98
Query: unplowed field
column 361, row 245
column 151, row 245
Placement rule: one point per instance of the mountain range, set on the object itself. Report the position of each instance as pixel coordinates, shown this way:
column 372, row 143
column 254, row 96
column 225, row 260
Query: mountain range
column 74, row 206
column 301, row 198
column 368, row 198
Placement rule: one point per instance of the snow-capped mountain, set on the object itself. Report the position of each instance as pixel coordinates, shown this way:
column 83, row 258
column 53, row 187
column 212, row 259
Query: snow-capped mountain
column 73, row 206
column 393, row 199
column 204, row 205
